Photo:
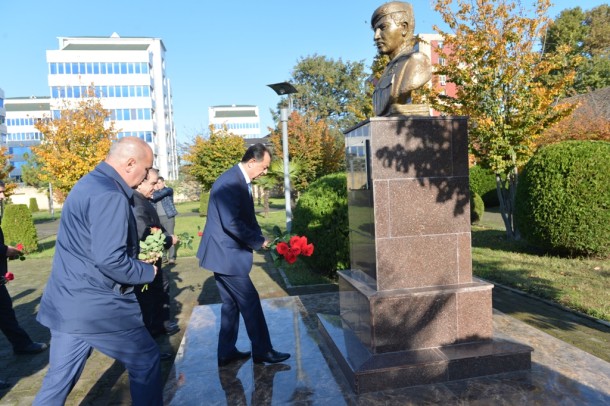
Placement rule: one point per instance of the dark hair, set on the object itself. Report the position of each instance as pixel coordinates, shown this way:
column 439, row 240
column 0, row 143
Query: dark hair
column 256, row 151
column 161, row 178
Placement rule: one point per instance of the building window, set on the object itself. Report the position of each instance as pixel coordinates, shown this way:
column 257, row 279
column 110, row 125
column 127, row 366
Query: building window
column 442, row 79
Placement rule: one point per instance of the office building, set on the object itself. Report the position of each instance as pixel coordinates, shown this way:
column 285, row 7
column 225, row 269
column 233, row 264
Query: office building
column 242, row 120
column 128, row 76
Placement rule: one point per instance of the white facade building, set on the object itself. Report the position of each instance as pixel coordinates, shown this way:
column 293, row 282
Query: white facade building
column 2, row 119
column 129, row 78
column 242, row 120
column 22, row 113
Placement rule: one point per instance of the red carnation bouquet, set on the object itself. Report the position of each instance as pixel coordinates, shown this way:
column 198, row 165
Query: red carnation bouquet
column 288, row 247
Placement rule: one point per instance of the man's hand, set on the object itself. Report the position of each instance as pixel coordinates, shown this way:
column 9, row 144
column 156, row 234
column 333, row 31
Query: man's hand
column 265, row 244
column 12, row 252
column 175, row 240
column 156, row 270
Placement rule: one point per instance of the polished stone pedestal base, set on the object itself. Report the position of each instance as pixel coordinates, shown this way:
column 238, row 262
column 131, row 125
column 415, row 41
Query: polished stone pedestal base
column 560, row 374
column 368, row 372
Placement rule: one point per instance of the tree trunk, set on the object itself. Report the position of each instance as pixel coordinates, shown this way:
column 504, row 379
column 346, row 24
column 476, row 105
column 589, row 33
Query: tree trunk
column 266, row 202
column 507, row 191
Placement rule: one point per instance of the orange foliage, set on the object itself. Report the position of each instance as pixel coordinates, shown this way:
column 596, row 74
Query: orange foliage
column 73, row 144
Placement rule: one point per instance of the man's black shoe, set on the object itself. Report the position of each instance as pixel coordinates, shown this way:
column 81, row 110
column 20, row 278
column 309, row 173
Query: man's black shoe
column 32, row 348
column 237, row 355
column 4, row 385
column 172, row 329
column 271, row 357
column 166, row 355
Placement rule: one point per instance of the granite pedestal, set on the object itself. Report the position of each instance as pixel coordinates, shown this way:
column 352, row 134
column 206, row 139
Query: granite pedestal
column 411, row 311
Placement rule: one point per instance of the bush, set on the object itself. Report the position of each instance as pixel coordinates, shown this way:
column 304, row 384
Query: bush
column 477, row 207
column 483, row 183
column 321, row 215
column 204, row 199
column 18, row 227
column 563, row 198
column 34, row 205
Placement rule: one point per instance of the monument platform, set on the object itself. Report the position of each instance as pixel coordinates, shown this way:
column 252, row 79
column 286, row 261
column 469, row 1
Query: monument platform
column 560, row 373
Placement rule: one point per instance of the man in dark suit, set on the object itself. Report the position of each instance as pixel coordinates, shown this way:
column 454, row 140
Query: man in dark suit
column 154, row 299
column 89, row 301
column 231, row 234
column 19, row 339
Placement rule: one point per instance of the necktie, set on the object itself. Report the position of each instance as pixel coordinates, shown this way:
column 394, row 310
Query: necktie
column 250, row 189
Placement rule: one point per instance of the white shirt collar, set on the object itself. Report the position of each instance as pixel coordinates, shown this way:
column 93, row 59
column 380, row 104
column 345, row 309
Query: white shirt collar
column 243, row 171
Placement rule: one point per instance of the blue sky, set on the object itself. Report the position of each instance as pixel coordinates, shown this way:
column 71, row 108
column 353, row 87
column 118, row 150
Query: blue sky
column 218, row 52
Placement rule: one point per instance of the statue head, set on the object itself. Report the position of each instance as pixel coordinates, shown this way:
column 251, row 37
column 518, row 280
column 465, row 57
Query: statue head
column 393, row 24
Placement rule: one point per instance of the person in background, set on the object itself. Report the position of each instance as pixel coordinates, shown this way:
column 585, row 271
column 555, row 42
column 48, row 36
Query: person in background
column 231, row 234
column 154, row 299
column 89, row 300
column 19, row 339
column 163, row 197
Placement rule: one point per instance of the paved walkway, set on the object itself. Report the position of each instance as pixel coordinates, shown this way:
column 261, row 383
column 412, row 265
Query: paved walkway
column 104, row 382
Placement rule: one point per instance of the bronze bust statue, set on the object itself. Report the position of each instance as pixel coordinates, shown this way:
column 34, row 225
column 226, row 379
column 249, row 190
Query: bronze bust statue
column 393, row 24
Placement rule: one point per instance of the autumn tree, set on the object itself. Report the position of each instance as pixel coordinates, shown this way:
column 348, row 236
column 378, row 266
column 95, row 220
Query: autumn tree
column 586, row 35
column 5, row 169
column 496, row 68
column 313, row 145
column 207, row 158
column 73, row 143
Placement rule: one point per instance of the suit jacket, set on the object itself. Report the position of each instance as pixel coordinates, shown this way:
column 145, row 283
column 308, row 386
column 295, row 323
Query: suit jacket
column 90, row 289
column 3, row 257
column 231, row 231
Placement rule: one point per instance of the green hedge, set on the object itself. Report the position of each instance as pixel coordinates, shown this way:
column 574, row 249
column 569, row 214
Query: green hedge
column 204, row 199
column 18, row 227
column 321, row 215
column 563, row 198
column 34, row 205
column 477, row 207
column 483, row 182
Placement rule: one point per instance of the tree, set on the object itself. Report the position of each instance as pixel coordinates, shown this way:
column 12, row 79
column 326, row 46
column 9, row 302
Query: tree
column 30, row 172
column 331, row 90
column 208, row 158
column 586, row 34
column 73, row 144
column 5, row 163
column 312, row 144
column 497, row 71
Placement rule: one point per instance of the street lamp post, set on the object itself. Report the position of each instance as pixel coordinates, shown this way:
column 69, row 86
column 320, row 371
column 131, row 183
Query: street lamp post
column 285, row 88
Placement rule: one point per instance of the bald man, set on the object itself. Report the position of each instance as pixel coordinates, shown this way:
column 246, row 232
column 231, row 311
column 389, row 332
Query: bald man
column 89, row 301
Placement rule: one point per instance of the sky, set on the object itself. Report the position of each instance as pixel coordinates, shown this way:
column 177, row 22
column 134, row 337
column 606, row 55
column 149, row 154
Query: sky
column 218, row 52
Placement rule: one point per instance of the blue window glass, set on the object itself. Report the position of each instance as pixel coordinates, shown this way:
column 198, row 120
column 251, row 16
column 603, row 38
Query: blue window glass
column 137, row 67
column 110, row 91
column 146, row 91
column 53, row 68
column 123, row 68
column 132, row 91
column 54, row 92
column 60, row 68
column 139, row 91
column 96, row 68
column 89, row 67
column 149, row 136
column 75, row 68
column 62, row 92
column 124, row 91
column 68, row 67
column 82, row 68
column 77, row 91
column 144, row 67
column 69, row 91
column 130, row 68
column 116, row 68
column 103, row 68
column 147, row 114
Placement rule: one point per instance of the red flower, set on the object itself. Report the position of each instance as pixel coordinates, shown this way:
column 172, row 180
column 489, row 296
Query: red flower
column 296, row 250
column 290, row 257
column 297, row 241
column 9, row 276
column 282, row 248
column 154, row 230
column 200, row 233
column 307, row 250
column 19, row 247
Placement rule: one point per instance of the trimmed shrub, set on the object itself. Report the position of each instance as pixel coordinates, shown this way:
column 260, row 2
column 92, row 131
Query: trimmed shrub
column 18, row 227
column 563, row 199
column 483, row 182
column 34, row 205
column 204, row 199
column 321, row 216
column 477, row 207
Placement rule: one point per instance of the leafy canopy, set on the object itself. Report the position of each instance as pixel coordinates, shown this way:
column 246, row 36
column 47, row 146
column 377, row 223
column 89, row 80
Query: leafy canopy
column 73, row 144
column 208, row 158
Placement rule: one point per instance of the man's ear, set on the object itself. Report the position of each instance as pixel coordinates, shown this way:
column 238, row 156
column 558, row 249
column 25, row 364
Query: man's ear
column 131, row 164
